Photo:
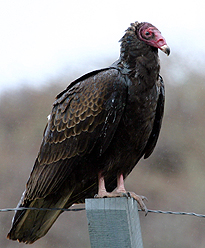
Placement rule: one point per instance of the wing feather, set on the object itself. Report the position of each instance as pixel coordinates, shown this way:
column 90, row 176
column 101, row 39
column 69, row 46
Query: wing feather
column 157, row 122
column 83, row 118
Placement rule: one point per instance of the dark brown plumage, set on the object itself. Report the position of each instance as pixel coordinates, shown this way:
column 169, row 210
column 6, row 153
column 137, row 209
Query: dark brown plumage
column 99, row 128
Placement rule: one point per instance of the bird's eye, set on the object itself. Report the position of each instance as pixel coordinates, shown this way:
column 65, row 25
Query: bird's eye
column 147, row 34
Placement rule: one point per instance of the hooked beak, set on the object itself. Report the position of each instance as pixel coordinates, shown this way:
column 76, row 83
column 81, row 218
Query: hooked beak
column 165, row 49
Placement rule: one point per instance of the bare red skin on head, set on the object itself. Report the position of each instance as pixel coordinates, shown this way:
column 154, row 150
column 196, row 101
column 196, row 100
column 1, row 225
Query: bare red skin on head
column 154, row 38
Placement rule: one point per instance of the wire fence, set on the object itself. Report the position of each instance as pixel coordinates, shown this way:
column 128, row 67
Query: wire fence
column 81, row 209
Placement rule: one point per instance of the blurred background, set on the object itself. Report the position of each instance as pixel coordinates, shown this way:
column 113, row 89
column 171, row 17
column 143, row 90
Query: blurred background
column 44, row 45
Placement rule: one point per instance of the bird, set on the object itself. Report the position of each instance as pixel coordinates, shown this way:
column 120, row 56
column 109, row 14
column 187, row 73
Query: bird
column 99, row 127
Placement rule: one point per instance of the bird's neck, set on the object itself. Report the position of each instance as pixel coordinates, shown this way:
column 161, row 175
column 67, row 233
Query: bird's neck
column 146, row 66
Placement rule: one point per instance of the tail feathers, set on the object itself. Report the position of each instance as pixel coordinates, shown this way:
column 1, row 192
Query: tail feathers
column 30, row 225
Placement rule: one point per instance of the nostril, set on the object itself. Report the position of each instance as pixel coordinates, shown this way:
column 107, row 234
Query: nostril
column 161, row 42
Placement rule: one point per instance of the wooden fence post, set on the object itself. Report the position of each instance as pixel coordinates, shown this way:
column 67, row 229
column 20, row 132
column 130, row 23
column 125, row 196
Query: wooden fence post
column 113, row 223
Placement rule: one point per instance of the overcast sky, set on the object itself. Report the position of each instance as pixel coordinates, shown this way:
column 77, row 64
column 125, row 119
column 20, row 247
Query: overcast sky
column 45, row 39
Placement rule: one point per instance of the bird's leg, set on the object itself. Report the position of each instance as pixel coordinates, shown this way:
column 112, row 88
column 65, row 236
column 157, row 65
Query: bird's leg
column 120, row 184
column 102, row 192
column 120, row 190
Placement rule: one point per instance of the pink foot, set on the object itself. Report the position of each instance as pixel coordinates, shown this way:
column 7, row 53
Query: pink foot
column 119, row 192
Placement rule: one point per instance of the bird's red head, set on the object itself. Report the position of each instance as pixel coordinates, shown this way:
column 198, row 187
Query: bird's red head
column 153, row 37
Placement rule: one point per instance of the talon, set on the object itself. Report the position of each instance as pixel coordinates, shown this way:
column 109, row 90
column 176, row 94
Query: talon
column 140, row 200
column 119, row 192
column 125, row 194
column 128, row 194
column 144, row 198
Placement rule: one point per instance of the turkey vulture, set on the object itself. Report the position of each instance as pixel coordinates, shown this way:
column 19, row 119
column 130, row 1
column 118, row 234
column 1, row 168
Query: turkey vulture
column 98, row 129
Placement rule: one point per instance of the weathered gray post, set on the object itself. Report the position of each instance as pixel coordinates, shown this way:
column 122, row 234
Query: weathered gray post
column 113, row 222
